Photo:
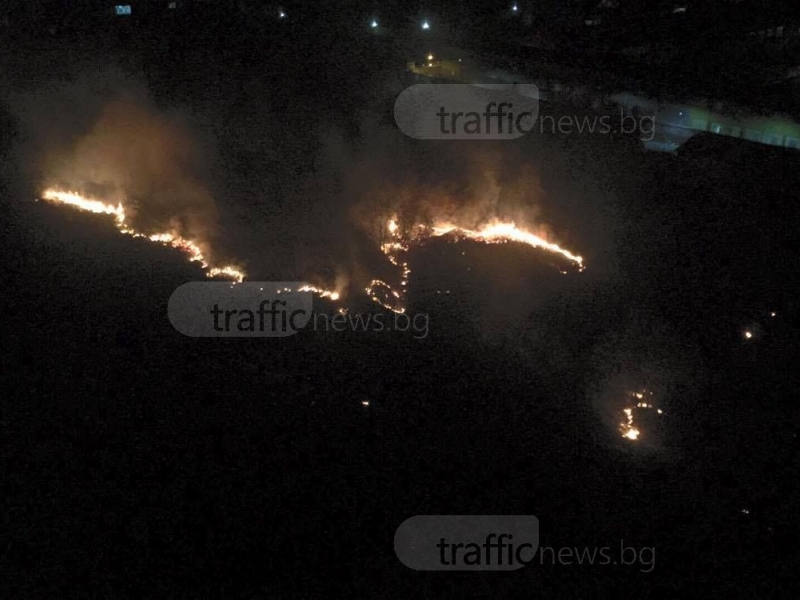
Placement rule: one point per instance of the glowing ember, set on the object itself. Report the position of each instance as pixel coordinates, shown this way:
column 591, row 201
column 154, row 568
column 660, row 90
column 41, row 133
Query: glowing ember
column 190, row 248
column 380, row 291
column 627, row 428
column 228, row 271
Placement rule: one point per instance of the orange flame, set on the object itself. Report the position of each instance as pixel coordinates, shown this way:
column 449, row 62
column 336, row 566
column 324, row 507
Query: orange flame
column 379, row 291
column 496, row 232
column 627, row 428
column 499, row 232
column 189, row 247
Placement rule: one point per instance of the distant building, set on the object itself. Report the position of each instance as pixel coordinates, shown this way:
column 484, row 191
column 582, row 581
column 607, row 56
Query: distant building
column 437, row 69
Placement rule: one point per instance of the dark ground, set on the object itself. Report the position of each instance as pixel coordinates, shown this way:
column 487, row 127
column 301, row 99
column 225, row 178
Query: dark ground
column 137, row 462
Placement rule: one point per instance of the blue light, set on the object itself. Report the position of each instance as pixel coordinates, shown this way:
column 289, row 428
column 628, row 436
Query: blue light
column 374, row 24
column 426, row 25
column 122, row 9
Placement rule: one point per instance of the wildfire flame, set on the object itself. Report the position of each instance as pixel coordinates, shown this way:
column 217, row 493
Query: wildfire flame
column 78, row 201
column 496, row 232
column 188, row 247
column 333, row 295
column 499, row 232
column 380, row 291
column 394, row 248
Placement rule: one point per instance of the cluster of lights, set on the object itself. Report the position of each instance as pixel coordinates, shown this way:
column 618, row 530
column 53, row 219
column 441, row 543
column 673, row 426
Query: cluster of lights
column 753, row 330
column 425, row 25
